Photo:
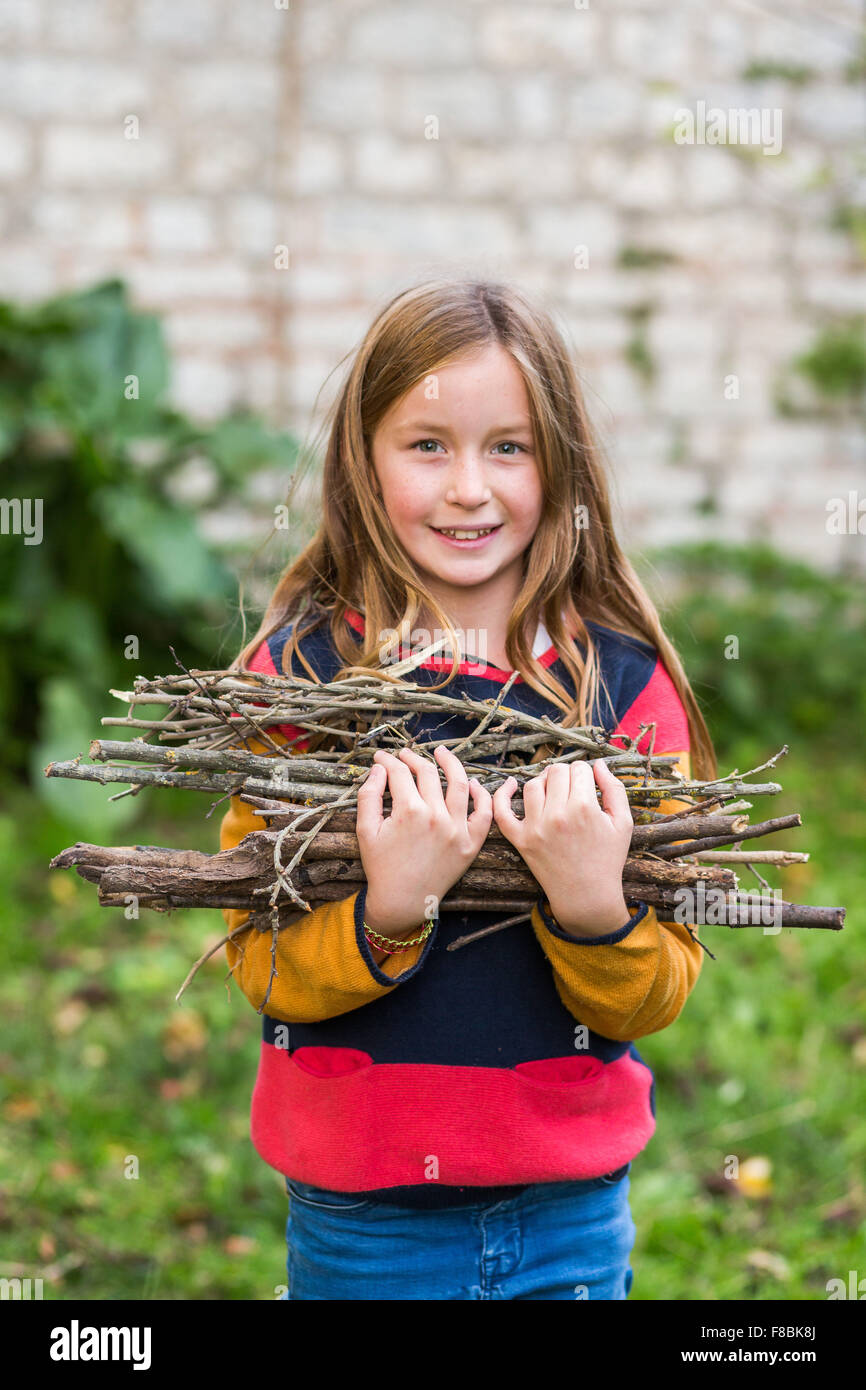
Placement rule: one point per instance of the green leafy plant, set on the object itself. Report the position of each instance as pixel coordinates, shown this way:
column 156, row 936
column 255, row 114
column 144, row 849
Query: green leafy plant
column 760, row 69
column 850, row 218
column 637, row 350
column 121, row 569
column 836, row 364
column 797, row 670
column 645, row 257
column 828, row 381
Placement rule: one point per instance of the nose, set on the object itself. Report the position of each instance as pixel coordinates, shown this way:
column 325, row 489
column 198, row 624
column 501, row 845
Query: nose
column 467, row 482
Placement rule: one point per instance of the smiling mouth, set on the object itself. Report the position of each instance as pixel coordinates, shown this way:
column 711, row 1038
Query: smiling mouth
column 466, row 533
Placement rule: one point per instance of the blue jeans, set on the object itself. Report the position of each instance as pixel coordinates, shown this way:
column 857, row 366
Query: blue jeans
column 555, row 1240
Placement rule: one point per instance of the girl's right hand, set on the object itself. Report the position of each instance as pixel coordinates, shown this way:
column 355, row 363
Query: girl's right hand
column 426, row 844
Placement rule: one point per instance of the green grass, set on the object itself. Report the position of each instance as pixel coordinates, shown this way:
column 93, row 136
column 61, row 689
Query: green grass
column 768, row 1058
column 100, row 1063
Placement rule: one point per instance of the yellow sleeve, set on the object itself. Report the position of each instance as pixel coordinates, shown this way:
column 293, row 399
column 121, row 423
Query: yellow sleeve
column 632, row 982
column 323, row 961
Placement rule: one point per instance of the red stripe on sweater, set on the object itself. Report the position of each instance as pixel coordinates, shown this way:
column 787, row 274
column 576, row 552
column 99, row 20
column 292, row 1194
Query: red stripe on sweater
column 658, row 702
column 333, row 1118
column 263, row 662
column 464, row 668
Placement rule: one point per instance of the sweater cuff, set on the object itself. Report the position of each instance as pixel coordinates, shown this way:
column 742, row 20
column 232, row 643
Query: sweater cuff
column 364, row 946
column 609, row 939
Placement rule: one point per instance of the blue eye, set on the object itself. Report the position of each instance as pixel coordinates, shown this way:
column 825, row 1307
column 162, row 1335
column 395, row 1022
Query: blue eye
column 510, row 442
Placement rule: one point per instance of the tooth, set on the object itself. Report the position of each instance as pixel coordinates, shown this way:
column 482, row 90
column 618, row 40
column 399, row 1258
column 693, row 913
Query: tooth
column 469, row 535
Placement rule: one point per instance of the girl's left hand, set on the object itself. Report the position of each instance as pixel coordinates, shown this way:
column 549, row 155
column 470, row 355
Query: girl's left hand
column 573, row 846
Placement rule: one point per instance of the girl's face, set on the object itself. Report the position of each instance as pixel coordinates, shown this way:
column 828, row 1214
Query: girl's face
column 463, row 461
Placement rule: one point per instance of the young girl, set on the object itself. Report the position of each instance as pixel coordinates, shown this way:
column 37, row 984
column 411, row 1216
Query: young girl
column 461, row 1125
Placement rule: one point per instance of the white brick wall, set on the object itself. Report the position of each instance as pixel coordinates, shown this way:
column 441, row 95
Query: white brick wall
column 309, row 127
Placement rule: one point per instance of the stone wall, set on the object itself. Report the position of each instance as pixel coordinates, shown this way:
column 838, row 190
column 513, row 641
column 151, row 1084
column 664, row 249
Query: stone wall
column 181, row 143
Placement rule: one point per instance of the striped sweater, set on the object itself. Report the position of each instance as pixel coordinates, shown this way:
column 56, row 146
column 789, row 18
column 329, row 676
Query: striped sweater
column 437, row 1078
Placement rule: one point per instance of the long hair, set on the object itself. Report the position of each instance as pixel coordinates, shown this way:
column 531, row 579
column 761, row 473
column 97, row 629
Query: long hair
column 574, row 567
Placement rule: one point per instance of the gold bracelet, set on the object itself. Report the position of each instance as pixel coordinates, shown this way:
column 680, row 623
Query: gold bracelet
column 391, row 945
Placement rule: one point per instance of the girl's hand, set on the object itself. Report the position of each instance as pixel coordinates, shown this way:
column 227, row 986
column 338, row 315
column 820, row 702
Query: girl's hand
column 425, row 845
column 573, row 846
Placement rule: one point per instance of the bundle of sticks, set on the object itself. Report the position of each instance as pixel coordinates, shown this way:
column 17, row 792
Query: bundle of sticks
column 209, row 732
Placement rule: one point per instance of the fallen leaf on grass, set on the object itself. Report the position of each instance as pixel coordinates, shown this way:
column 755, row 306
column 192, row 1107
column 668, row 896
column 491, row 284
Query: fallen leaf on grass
column 183, row 1035
column 771, row 1263
column 178, row 1087
column 62, row 1168
column 21, row 1108
column 192, row 1212
column 94, row 994
column 846, row 1211
column 239, row 1245
column 754, row 1177
column 70, row 1016
column 719, row 1185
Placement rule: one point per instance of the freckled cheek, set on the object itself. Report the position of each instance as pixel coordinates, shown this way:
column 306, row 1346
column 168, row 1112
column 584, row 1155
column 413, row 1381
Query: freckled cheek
column 525, row 508
column 408, row 505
